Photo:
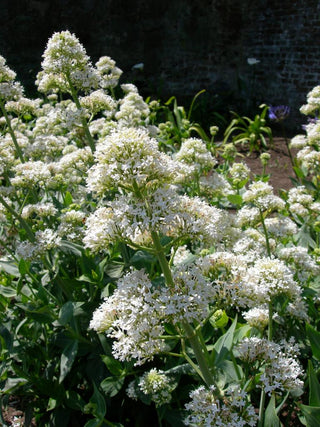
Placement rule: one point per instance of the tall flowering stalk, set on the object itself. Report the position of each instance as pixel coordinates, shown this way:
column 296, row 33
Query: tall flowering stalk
column 67, row 68
column 129, row 160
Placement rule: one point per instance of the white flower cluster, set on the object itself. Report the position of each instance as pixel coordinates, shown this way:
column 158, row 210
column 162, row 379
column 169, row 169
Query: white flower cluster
column 65, row 62
column 133, row 317
column 313, row 102
column 194, row 153
column 129, row 156
column 44, row 241
column 233, row 411
column 133, row 110
column 260, row 194
column 250, row 281
column 281, row 370
column 157, row 385
column 9, row 88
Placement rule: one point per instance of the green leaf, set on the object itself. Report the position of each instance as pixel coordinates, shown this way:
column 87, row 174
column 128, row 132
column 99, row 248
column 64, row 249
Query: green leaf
column 9, row 266
column 112, row 385
column 12, row 384
column 311, row 414
column 68, row 198
column 142, row 259
column 235, row 199
column 314, row 386
column 304, row 238
column 270, row 417
column 99, row 404
column 71, row 248
column 314, row 338
column 93, row 423
column 7, row 292
column 67, row 358
column 74, row 400
column 113, row 365
column 23, row 267
column 224, row 344
column 70, row 310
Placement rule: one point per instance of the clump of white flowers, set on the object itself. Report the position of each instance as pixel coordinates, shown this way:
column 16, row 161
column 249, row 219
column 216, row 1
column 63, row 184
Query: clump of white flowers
column 133, row 317
column 65, row 64
column 233, row 410
column 157, row 385
column 194, row 153
column 10, row 90
column 279, row 364
column 260, row 194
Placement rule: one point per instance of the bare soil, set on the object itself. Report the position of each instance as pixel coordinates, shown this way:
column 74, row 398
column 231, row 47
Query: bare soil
column 279, row 167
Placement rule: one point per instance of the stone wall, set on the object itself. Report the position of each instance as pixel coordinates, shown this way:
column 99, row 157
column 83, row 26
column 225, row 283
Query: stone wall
column 185, row 45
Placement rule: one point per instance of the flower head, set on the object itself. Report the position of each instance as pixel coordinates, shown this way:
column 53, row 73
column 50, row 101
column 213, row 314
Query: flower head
column 278, row 113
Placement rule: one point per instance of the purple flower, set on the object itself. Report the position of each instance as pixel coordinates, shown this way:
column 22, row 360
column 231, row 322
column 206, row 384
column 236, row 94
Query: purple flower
column 278, row 113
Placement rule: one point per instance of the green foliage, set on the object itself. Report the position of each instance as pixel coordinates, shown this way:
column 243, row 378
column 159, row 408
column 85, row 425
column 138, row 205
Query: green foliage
column 250, row 132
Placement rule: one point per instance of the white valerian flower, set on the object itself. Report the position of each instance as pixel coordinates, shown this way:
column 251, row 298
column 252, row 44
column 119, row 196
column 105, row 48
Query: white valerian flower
column 128, row 219
column 42, row 210
column 99, row 101
column 181, row 255
column 194, row 153
column 280, row 226
column 260, row 194
column 157, row 385
column 133, row 110
column 234, row 410
column 267, row 278
column 46, row 147
column 188, row 299
column 24, row 106
column 299, row 201
column 66, row 63
column 304, row 264
column 313, row 102
column 257, row 317
column 30, row 174
column 239, row 172
column 214, row 184
column 10, row 90
column 44, row 241
column 129, row 157
column 71, row 225
column 248, row 216
column 278, row 363
column 133, row 317
column 298, row 142
column 108, row 71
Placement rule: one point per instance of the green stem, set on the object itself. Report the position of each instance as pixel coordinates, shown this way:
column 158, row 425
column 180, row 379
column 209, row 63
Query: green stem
column 265, row 232
column 263, row 393
column 261, row 408
column 190, row 333
column 12, row 134
column 84, row 123
column 270, row 325
column 23, row 223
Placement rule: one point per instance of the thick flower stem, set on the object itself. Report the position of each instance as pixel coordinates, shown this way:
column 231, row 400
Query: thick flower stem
column 191, row 335
column 12, row 134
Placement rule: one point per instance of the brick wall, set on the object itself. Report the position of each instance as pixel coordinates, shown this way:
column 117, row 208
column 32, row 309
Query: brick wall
column 186, row 45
